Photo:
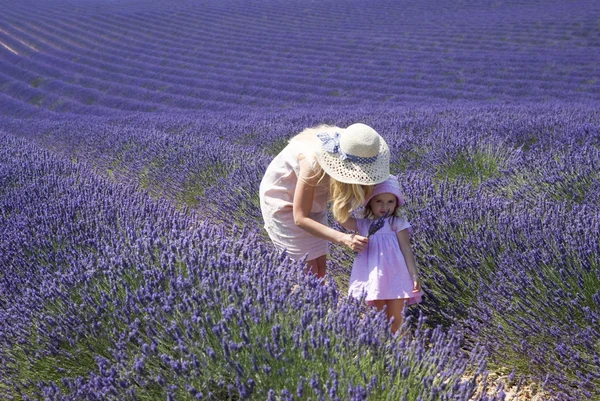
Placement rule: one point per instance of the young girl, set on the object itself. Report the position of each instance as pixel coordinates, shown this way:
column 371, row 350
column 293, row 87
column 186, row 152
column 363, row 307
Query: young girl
column 385, row 272
column 318, row 165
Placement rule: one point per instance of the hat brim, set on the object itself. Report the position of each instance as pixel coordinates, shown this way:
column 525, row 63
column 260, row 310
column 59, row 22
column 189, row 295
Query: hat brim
column 386, row 189
column 350, row 172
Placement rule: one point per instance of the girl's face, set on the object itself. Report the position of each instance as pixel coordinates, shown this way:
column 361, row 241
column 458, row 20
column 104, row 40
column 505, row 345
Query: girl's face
column 383, row 203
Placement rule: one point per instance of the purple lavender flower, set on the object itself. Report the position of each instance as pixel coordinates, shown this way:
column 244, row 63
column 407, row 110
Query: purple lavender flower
column 111, row 239
column 377, row 224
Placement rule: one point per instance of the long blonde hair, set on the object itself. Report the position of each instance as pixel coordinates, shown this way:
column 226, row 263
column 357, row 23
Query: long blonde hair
column 310, row 134
column 312, row 131
column 344, row 197
column 347, row 197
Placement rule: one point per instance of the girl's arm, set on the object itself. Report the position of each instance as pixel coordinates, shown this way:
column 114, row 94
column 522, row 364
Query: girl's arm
column 302, row 205
column 404, row 241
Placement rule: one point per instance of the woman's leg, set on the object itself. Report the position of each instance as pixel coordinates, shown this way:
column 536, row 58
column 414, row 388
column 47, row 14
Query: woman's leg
column 312, row 266
column 317, row 266
column 322, row 263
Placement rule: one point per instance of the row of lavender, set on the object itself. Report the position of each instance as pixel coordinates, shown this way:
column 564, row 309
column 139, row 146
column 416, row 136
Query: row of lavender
column 504, row 200
column 107, row 294
column 281, row 54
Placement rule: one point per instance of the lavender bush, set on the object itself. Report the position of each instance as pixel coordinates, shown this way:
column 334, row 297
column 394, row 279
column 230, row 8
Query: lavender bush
column 452, row 217
column 101, row 302
column 133, row 138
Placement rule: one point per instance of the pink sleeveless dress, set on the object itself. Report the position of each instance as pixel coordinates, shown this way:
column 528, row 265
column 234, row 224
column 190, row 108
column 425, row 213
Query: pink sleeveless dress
column 380, row 271
column 276, row 198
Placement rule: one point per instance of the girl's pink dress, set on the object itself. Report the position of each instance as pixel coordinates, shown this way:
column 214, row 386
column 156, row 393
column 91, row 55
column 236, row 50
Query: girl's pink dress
column 380, row 271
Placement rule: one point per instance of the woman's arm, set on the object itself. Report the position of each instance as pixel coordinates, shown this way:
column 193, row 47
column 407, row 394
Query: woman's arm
column 409, row 257
column 350, row 224
column 302, row 205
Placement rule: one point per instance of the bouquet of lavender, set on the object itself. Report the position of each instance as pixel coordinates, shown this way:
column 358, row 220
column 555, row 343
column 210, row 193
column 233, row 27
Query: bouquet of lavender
column 377, row 224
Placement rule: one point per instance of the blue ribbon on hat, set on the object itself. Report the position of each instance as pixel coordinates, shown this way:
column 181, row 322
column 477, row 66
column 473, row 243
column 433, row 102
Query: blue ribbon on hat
column 331, row 143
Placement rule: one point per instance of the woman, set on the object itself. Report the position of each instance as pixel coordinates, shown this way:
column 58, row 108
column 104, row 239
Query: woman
column 318, row 165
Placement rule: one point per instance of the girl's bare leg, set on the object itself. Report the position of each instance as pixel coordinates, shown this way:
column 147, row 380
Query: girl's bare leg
column 394, row 309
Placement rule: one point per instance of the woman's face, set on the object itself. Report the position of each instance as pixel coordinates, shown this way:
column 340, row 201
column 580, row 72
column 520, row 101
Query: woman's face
column 383, row 203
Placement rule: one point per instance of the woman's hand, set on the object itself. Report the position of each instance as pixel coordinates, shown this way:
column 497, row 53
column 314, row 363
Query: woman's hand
column 355, row 242
column 416, row 286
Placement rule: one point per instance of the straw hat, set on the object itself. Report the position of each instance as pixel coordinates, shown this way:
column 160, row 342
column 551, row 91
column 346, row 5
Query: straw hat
column 355, row 155
column 391, row 185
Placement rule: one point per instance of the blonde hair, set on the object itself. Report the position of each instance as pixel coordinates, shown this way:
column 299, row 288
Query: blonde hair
column 344, row 197
column 313, row 131
column 347, row 197
column 310, row 134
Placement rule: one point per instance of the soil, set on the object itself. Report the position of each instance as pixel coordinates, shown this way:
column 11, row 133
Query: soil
column 514, row 389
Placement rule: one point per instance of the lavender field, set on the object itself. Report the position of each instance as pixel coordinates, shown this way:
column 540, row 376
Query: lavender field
column 133, row 138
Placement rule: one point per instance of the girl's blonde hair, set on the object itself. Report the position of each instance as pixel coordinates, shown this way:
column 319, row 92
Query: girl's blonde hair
column 347, row 197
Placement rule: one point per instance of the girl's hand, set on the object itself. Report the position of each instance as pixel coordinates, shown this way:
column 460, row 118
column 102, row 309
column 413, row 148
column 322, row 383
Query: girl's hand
column 416, row 286
column 355, row 242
